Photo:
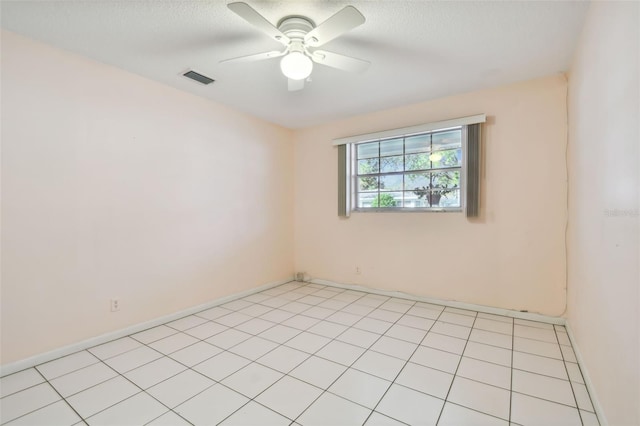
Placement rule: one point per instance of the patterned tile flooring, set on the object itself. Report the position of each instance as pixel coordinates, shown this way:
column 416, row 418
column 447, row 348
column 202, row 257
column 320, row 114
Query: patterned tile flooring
column 307, row 354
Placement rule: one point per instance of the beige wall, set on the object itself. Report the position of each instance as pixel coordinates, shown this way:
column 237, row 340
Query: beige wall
column 603, row 234
column 114, row 186
column 512, row 257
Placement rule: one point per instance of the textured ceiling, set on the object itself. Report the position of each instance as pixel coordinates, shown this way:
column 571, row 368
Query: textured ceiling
column 419, row 50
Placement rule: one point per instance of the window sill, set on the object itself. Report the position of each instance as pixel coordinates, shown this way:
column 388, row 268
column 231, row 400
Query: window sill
column 408, row 210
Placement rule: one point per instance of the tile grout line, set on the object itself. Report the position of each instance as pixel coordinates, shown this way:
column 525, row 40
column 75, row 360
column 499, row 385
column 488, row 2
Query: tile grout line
column 133, row 383
column 528, row 317
column 573, row 392
column 477, row 410
column 455, row 374
column 164, row 414
column 44, row 406
column 403, row 367
column 360, row 356
column 147, row 344
column 142, row 365
column 287, row 374
column 348, row 327
column 256, row 361
column 226, row 350
column 215, row 382
column 334, row 339
column 513, row 348
column 593, row 411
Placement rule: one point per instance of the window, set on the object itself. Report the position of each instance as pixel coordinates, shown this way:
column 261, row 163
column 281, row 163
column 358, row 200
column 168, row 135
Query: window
column 430, row 167
column 421, row 171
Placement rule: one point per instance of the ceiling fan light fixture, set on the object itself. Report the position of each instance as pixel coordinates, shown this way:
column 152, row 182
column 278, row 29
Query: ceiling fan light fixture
column 435, row 157
column 296, row 66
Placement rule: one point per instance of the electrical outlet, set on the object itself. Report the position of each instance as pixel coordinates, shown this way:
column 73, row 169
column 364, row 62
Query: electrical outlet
column 358, row 270
column 115, row 305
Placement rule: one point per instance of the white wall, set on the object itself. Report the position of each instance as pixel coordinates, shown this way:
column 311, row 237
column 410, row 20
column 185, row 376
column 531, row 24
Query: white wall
column 513, row 256
column 114, row 186
column 603, row 235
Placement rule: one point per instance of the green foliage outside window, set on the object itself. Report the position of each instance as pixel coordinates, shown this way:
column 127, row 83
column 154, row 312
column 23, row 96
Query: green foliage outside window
column 410, row 165
column 384, row 200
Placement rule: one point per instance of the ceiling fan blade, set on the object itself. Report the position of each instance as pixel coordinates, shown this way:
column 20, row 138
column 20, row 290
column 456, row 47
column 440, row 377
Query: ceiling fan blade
column 343, row 21
column 250, row 15
column 256, row 57
column 341, row 62
column 295, row 85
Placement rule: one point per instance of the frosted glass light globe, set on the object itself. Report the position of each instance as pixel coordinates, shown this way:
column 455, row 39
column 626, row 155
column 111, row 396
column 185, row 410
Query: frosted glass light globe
column 296, row 66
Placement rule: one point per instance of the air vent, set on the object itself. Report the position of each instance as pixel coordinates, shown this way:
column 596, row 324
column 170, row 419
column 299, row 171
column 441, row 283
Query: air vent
column 202, row 79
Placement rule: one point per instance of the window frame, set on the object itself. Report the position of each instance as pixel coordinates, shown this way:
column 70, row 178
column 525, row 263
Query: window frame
column 473, row 160
column 352, row 175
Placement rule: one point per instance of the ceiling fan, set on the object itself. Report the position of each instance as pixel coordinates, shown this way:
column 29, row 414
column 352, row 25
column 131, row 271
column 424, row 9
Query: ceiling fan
column 301, row 38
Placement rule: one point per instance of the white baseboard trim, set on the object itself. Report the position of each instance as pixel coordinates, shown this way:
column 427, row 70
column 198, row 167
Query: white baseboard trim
column 490, row 310
column 104, row 338
column 452, row 303
column 585, row 375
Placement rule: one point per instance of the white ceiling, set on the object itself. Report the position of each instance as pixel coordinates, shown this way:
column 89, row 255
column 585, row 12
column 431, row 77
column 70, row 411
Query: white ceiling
column 419, row 50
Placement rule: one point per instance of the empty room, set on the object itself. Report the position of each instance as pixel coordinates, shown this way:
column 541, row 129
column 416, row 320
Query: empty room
column 325, row 213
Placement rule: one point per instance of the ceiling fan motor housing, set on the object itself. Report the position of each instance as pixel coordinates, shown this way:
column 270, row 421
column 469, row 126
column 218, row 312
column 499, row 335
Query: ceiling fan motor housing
column 296, row 27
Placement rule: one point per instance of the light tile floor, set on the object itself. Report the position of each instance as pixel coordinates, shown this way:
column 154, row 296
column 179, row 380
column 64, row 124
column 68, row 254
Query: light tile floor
column 306, row 354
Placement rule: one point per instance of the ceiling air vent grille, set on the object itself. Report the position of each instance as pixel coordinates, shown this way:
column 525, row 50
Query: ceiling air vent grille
column 202, row 79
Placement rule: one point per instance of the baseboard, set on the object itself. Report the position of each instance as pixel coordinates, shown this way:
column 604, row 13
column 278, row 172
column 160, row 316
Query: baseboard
column 585, row 375
column 104, row 338
column 454, row 304
column 490, row 310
